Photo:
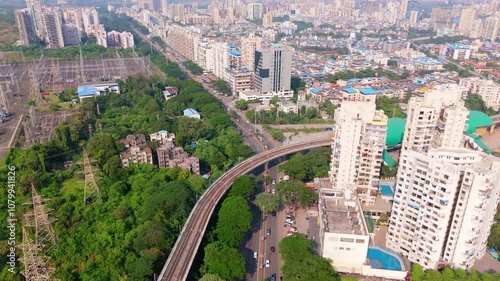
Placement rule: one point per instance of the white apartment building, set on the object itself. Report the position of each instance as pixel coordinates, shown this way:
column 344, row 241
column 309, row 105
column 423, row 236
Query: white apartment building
column 182, row 40
column 444, row 205
column 467, row 18
column 372, row 144
column 357, row 145
column 90, row 19
column 437, row 119
column 487, row 89
column 248, row 47
column 254, row 11
column 120, row 39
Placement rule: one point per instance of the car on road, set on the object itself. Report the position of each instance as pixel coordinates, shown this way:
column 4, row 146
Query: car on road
column 255, row 255
column 293, row 229
column 289, row 221
column 268, row 232
column 273, row 249
column 274, row 181
column 268, row 263
column 273, row 191
column 273, row 277
column 273, row 213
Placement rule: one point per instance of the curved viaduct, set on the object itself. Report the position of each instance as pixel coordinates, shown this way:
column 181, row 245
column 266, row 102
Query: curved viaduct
column 177, row 266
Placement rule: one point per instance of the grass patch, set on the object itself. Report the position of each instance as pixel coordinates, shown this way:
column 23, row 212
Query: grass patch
column 346, row 278
column 8, row 34
column 73, row 186
column 277, row 134
column 302, row 130
column 51, row 101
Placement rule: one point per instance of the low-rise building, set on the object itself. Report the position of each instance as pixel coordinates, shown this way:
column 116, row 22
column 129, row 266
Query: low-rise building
column 264, row 97
column 162, row 136
column 171, row 156
column 90, row 91
column 170, row 92
column 191, row 113
column 136, row 152
column 289, row 107
column 239, row 79
column 346, row 238
column 426, row 63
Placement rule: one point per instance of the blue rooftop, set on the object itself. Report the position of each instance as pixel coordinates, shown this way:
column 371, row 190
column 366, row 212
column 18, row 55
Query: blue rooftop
column 85, row 91
column 369, row 91
column 314, row 90
column 349, row 90
column 426, row 60
column 235, row 52
column 459, row 47
column 190, row 112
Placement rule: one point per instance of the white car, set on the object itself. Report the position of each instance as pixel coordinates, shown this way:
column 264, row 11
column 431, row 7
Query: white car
column 289, row 221
column 273, row 191
column 255, row 255
column 293, row 229
column 268, row 263
column 273, row 182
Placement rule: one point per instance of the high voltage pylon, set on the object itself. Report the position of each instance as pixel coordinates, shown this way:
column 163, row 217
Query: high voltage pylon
column 91, row 190
column 35, row 264
column 45, row 236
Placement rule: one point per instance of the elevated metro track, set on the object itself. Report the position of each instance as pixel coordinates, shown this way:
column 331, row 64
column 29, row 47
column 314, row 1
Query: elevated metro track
column 181, row 257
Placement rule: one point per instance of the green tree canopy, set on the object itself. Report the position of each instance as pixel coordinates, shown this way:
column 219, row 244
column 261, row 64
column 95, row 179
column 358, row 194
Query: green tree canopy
column 234, row 219
column 267, row 202
column 296, row 193
column 224, row 261
column 301, row 263
column 306, row 167
column 211, row 277
column 244, row 186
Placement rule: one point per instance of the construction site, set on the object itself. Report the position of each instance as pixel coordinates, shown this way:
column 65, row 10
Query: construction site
column 23, row 84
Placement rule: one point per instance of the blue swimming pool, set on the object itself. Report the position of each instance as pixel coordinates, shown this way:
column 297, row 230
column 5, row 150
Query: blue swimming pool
column 383, row 260
column 386, row 190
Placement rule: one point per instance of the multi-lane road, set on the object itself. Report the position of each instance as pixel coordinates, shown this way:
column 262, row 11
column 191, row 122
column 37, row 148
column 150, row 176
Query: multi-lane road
column 182, row 255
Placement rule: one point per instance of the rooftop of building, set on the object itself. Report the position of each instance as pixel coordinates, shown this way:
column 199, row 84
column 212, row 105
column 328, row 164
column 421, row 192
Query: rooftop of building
column 426, row 61
column 342, row 218
column 349, row 90
column 190, row 112
column 478, row 119
column 84, row 91
column 369, row 91
column 459, row 47
column 395, row 131
column 341, row 210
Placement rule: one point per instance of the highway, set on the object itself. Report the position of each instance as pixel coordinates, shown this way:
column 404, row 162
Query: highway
column 182, row 255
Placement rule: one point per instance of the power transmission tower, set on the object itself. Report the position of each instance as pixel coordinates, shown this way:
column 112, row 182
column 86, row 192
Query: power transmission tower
column 35, row 265
column 91, row 188
column 45, row 237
